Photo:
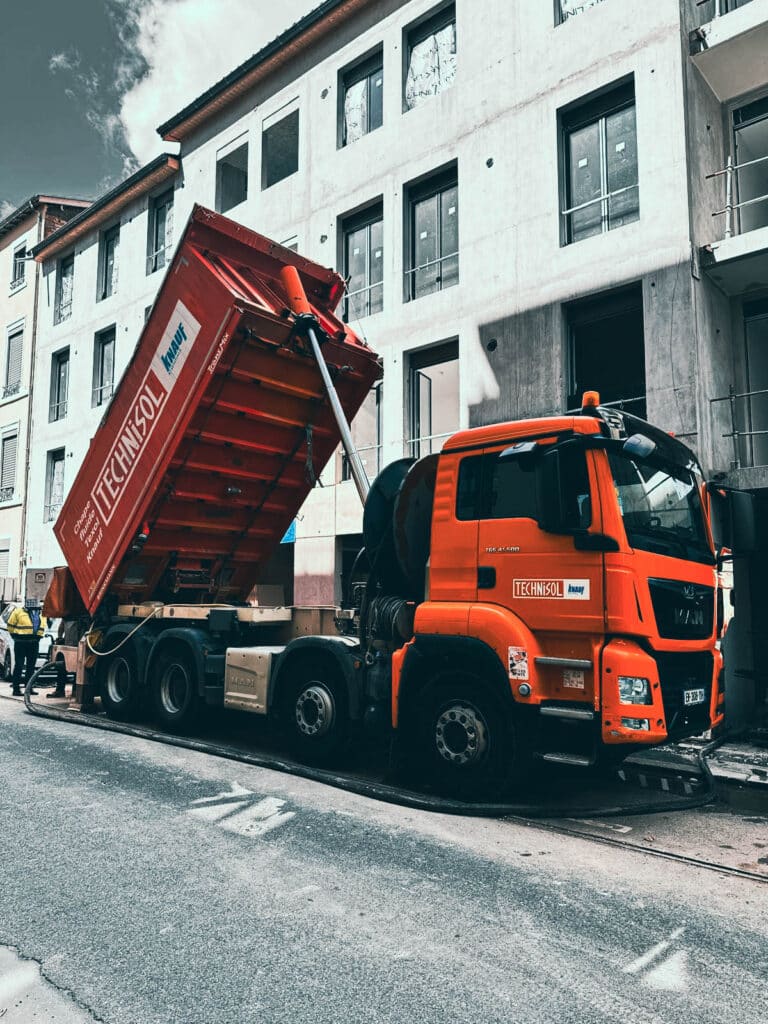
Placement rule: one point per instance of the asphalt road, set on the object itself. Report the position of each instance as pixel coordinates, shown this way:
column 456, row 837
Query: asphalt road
column 154, row 884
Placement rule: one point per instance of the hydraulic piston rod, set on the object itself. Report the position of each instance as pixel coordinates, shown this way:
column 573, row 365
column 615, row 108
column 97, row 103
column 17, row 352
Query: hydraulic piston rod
column 300, row 306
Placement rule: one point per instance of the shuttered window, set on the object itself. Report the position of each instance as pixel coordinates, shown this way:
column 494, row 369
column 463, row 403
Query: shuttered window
column 13, row 364
column 5, row 556
column 8, row 449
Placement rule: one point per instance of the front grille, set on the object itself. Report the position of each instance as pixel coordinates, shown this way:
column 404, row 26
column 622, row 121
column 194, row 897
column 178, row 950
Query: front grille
column 683, row 611
column 680, row 671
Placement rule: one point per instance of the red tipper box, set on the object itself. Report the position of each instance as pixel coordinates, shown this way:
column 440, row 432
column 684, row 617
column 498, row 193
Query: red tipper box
column 218, row 429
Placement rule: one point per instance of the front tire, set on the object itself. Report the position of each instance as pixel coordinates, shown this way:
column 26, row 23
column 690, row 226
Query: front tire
column 174, row 691
column 466, row 739
column 314, row 711
column 119, row 685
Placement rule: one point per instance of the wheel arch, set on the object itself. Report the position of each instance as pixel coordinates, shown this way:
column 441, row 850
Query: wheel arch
column 194, row 642
column 334, row 652
column 140, row 645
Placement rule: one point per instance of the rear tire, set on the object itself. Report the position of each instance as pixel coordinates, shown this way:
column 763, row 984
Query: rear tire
column 119, row 685
column 313, row 710
column 174, row 690
column 466, row 740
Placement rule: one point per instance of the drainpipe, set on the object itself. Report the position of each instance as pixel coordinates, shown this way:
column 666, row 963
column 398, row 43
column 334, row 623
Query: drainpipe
column 30, row 393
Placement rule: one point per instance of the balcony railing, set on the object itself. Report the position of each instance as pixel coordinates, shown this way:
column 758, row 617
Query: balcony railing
column 637, row 403
column 57, row 411
column 50, row 512
column 62, row 311
column 605, row 211
column 416, row 447
column 371, row 457
column 6, row 493
column 432, row 282
column 102, row 394
column 17, row 282
column 749, row 426
column 12, row 389
column 728, row 210
column 364, row 301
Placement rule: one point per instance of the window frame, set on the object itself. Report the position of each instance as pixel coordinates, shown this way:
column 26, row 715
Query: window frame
column 417, row 31
column 19, row 266
column 223, row 154
column 60, row 312
column 585, row 112
column 364, row 68
column 562, row 19
column 420, row 359
column 8, row 491
column 157, row 257
column 106, row 287
column 366, row 218
column 55, row 401
column 100, row 386
column 423, row 189
column 13, row 387
column 51, row 509
column 378, row 447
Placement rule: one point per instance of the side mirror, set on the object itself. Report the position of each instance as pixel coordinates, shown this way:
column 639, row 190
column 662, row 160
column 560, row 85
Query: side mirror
column 733, row 519
column 638, row 446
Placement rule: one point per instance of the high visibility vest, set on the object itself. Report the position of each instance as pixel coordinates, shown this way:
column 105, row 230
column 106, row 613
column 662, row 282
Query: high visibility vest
column 20, row 624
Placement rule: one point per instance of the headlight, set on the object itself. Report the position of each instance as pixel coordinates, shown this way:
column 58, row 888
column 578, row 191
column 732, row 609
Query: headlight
column 634, row 690
column 636, row 723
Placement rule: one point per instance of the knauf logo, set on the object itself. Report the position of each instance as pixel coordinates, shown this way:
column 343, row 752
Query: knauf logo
column 575, row 590
column 170, row 357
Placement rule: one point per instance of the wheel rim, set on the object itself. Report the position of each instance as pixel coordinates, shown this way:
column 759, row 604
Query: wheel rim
column 461, row 735
column 315, row 711
column 174, row 689
column 119, row 681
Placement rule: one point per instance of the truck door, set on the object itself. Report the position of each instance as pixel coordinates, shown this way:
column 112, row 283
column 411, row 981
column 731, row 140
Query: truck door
column 550, row 584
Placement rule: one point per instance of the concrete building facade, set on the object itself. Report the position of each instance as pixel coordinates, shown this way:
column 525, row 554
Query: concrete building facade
column 521, row 197
column 20, row 232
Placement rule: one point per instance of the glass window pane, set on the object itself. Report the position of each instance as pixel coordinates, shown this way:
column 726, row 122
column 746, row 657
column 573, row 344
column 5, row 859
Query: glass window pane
column 355, row 111
column 376, row 100
column 585, row 181
column 449, row 225
column 621, row 162
column 425, row 245
column 431, row 65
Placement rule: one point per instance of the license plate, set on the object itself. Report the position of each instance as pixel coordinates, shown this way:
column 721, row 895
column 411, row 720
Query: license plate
column 694, row 697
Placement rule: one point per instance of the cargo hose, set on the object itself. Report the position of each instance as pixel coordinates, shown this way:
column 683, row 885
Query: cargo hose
column 377, row 790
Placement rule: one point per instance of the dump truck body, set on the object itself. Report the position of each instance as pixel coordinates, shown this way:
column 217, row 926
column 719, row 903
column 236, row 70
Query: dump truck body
column 218, row 429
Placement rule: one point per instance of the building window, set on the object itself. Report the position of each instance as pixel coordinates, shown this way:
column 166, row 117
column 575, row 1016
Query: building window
column 232, row 178
column 431, row 57
column 363, row 260
column 565, row 9
column 366, row 433
column 160, row 239
column 8, row 449
column 54, row 485
column 62, row 309
column 19, row 267
column 433, row 398
column 103, row 367
column 5, row 556
column 13, row 357
column 750, row 133
column 601, row 189
column 57, row 406
column 279, row 149
column 108, row 260
column 753, row 408
column 362, row 94
column 433, row 235
column 597, row 362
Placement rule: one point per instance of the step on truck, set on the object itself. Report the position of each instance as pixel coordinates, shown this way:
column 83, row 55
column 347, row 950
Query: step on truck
column 539, row 590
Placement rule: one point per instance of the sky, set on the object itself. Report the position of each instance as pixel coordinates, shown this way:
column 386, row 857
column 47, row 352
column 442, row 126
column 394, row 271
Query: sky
column 85, row 83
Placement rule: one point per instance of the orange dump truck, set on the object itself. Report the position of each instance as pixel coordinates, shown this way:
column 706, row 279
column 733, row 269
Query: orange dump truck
column 539, row 589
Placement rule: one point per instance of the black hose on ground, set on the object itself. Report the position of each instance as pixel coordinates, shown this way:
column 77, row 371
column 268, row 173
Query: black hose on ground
column 377, row 790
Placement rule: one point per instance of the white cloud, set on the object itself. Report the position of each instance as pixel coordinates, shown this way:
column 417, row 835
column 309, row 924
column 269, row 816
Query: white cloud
column 66, row 60
column 176, row 49
column 6, row 208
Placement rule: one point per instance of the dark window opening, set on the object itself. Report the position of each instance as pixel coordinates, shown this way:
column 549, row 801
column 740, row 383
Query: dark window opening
column 280, row 150
column 54, row 485
column 57, row 408
column 62, row 309
column 160, row 239
column 232, row 179
column 607, row 350
column 103, row 367
column 110, row 247
column 19, row 268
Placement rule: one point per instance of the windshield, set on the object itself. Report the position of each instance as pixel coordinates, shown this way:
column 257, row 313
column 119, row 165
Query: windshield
column 661, row 508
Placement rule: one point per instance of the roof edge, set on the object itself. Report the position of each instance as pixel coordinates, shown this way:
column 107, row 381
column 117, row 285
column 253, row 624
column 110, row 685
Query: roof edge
column 29, row 206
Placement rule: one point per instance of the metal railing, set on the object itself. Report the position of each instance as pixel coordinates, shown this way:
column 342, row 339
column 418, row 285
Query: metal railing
column 748, row 445
column 7, row 493
column 57, row 411
column 17, row 282
column 730, row 206
column 605, row 212
column 619, row 403
column 102, row 393
column 346, row 472
column 355, row 307
column 12, row 389
column 158, row 259
column 724, row 6
column 50, row 512
column 412, row 446
column 434, row 284
column 62, row 311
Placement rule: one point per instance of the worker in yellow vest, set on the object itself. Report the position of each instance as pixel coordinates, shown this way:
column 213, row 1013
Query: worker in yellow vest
column 26, row 625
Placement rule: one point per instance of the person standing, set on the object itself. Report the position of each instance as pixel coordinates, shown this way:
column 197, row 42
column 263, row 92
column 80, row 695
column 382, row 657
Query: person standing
column 26, row 625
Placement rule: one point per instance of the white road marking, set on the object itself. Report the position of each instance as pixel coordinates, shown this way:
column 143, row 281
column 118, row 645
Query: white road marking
column 241, row 812
column 17, row 981
column 609, row 825
column 653, row 953
column 670, row 975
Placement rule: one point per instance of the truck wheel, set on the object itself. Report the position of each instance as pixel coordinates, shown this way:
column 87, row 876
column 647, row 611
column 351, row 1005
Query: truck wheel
column 313, row 711
column 119, row 687
column 174, row 690
column 465, row 739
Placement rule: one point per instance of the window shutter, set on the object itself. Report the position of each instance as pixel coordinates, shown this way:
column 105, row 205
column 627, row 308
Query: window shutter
column 5, row 556
column 13, row 369
column 8, row 469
